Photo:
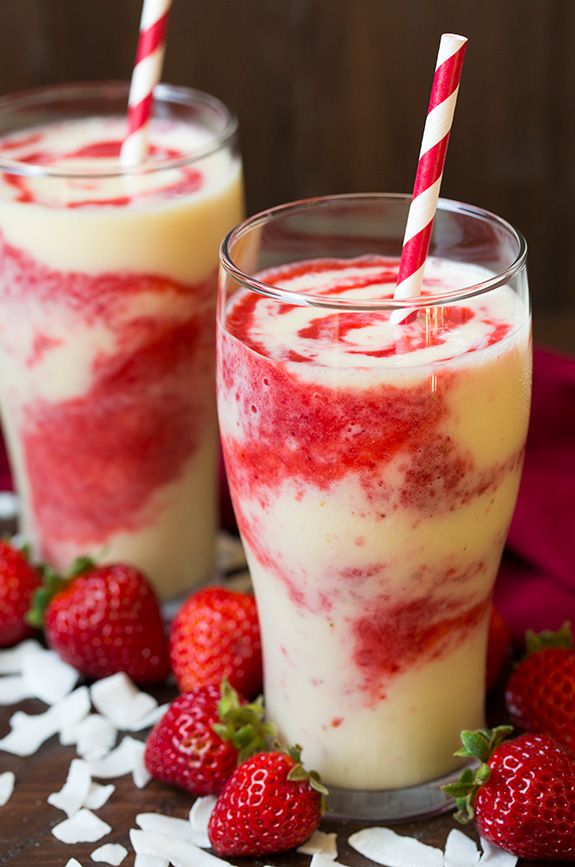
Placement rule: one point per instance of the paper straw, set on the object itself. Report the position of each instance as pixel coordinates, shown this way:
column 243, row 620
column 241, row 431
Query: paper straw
column 430, row 168
column 146, row 74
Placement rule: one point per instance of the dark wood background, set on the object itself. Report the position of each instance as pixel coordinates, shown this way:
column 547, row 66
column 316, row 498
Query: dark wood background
column 331, row 96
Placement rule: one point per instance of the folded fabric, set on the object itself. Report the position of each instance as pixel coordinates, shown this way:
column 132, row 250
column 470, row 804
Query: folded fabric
column 5, row 477
column 536, row 583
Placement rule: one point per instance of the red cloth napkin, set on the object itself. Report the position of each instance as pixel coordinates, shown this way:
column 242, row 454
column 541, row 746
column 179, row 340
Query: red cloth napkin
column 536, row 583
column 5, row 477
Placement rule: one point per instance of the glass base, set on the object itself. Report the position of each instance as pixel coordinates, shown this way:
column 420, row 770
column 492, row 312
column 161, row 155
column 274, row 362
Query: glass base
column 393, row 805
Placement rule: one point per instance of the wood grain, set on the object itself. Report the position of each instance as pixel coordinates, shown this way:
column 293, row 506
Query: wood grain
column 26, row 820
column 331, row 96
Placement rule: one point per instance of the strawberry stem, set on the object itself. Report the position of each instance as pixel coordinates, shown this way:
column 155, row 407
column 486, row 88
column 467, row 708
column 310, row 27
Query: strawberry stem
column 52, row 584
column 299, row 774
column 243, row 725
column 81, row 565
column 536, row 641
column 480, row 744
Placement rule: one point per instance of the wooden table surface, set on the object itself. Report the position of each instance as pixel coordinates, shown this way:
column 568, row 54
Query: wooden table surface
column 26, row 820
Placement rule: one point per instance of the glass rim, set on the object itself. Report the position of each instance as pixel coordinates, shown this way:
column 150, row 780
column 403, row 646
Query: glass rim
column 167, row 93
column 302, row 299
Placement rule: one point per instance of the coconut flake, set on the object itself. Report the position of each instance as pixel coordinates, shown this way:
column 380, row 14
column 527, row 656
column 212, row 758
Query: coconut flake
column 74, row 793
column 12, row 660
column 494, row 856
column 149, row 720
column 117, row 763
column 180, row 853
column 150, row 861
column 118, row 699
column 98, row 795
column 47, row 676
column 127, row 758
column 7, row 782
column 83, row 827
column 319, row 860
column 30, row 731
column 73, row 863
column 169, row 826
column 110, row 853
column 320, row 844
column 460, row 850
column 14, row 689
column 9, row 505
column 200, row 813
column 384, row 846
column 140, row 774
column 94, row 736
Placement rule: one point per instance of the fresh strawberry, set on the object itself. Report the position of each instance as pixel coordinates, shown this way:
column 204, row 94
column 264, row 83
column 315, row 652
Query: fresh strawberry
column 102, row 620
column 269, row 804
column 202, row 737
column 540, row 693
column 18, row 581
column 498, row 646
column 522, row 795
column 216, row 636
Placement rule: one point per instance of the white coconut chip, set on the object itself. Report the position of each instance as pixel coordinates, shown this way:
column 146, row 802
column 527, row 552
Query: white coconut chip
column 13, row 689
column 12, row 660
column 7, row 783
column 493, row 856
column 200, row 813
column 74, row 793
column 140, row 774
column 149, row 720
column 460, row 850
column 384, row 846
column 9, row 505
column 93, row 736
column 30, row 731
column 47, row 676
column 127, row 758
column 320, row 844
column 83, row 827
column 110, row 853
column 116, row 763
column 99, row 795
column 118, row 699
column 180, row 853
column 150, row 861
column 169, row 826
column 319, row 860
column 73, row 863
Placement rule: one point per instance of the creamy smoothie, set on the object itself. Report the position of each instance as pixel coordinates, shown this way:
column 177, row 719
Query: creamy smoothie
column 107, row 296
column 374, row 469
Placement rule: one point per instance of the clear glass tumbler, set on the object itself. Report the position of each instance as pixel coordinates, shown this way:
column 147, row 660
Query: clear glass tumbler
column 374, row 467
column 107, row 307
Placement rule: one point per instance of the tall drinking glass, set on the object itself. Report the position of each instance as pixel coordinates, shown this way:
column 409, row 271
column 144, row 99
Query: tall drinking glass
column 107, row 311
column 374, row 468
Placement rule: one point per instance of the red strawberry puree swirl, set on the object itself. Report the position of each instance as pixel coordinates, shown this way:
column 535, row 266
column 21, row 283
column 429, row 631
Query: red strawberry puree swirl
column 107, row 293
column 374, row 470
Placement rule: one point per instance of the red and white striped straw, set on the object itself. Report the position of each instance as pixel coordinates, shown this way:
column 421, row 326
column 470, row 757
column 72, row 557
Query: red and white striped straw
column 147, row 73
column 430, row 167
